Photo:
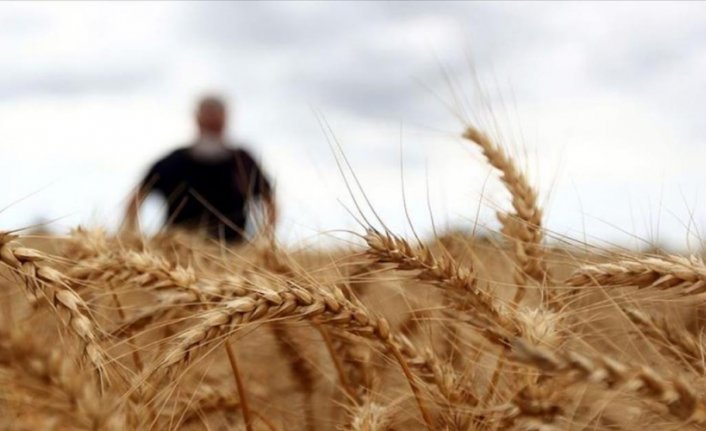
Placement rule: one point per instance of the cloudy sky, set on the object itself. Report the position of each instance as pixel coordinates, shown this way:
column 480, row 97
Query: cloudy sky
column 602, row 103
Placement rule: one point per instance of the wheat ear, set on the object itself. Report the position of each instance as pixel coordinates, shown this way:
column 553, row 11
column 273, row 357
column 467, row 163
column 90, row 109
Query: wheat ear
column 31, row 265
column 371, row 416
column 680, row 400
column 293, row 303
column 388, row 248
column 524, row 226
column 534, row 407
column 671, row 272
column 192, row 295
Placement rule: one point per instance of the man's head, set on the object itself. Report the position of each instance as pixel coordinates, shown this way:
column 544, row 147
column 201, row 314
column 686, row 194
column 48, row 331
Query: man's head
column 211, row 116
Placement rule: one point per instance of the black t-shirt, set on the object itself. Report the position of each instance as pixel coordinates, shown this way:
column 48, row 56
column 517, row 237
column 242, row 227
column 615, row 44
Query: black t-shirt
column 209, row 195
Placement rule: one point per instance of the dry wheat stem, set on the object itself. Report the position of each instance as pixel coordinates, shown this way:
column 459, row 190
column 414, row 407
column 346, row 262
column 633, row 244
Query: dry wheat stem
column 342, row 377
column 244, row 407
column 299, row 367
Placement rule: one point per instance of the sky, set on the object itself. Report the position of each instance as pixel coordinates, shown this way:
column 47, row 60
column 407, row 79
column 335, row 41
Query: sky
column 601, row 103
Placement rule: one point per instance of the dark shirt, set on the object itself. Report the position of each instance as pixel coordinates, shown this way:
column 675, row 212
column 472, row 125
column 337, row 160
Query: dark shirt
column 208, row 194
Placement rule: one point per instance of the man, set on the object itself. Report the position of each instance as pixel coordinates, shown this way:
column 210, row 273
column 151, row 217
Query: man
column 208, row 185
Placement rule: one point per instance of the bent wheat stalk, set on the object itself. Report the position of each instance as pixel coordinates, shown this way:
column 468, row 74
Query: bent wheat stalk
column 524, row 226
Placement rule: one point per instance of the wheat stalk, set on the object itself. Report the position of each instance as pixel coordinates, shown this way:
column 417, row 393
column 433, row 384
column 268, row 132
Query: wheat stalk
column 299, row 367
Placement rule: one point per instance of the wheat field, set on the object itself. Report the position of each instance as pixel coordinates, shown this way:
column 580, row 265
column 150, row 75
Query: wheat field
column 124, row 332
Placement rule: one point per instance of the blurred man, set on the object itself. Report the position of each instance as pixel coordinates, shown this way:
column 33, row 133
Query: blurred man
column 208, row 185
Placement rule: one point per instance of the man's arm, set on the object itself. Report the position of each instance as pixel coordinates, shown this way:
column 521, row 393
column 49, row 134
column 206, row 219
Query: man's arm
column 251, row 180
column 132, row 213
column 152, row 181
column 272, row 215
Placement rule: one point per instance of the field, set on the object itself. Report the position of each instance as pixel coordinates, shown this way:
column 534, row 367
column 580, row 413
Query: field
column 122, row 332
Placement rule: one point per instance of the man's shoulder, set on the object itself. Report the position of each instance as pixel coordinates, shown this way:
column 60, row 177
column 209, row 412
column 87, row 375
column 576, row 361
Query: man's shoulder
column 170, row 163
column 241, row 152
column 174, row 156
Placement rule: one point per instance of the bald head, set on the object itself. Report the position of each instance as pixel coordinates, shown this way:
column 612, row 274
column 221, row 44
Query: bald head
column 211, row 116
